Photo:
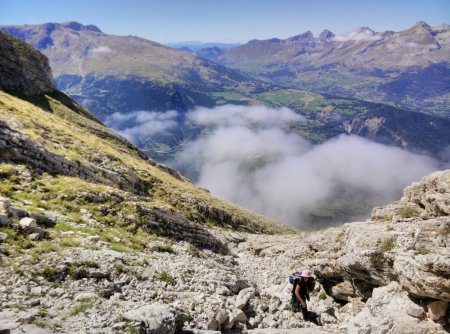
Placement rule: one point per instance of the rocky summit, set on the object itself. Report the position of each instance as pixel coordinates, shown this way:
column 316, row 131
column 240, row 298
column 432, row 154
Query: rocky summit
column 97, row 238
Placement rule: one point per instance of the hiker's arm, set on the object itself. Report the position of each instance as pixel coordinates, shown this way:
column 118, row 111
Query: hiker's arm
column 299, row 297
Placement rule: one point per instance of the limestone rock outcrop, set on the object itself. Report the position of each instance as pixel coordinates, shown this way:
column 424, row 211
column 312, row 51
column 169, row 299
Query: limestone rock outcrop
column 389, row 310
column 23, row 70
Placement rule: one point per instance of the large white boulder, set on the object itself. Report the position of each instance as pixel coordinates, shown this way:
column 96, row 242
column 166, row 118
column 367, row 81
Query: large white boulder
column 388, row 311
column 156, row 318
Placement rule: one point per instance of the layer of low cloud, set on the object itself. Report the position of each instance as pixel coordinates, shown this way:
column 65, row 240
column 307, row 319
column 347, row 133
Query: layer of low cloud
column 359, row 35
column 142, row 124
column 235, row 115
column 282, row 175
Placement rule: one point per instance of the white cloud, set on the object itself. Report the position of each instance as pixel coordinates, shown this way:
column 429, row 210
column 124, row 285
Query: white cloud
column 359, row 35
column 101, row 49
column 142, row 123
column 235, row 115
column 283, row 176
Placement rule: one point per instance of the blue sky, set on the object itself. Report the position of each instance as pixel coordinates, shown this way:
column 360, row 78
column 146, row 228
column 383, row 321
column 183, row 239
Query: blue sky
column 227, row 21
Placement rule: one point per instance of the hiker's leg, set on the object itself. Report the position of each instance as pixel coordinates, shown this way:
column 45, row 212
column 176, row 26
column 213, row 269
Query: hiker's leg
column 305, row 313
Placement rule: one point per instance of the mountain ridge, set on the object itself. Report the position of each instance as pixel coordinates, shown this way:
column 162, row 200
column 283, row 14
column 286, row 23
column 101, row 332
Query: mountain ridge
column 363, row 64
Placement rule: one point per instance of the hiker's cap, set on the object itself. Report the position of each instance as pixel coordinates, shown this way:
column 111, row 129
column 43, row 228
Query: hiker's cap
column 306, row 273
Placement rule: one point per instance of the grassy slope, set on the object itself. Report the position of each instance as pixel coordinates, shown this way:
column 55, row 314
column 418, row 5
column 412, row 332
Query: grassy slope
column 67, row 133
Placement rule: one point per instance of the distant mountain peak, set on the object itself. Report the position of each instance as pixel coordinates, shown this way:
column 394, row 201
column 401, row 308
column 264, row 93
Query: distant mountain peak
column 365, row 30
column 306, row 36
column 326, row 35
column 422, row 24
column 80, row 27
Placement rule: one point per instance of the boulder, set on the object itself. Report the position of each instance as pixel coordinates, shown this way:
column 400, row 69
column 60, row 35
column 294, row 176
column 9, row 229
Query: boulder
column 29, row 226
column 42, row 219
column 416, row 311
column 343, row 291
column 387, row 312
column 223, row 291
column 4, row 220
column 213, row 325
column 157, row 318
column 244, row 296
column 4, row 204
column 27, row 223
column 222, row 317
column 239, row 316
column 437, row 309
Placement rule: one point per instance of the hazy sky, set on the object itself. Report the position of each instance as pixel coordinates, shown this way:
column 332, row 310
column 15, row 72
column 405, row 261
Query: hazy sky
column 227, row 20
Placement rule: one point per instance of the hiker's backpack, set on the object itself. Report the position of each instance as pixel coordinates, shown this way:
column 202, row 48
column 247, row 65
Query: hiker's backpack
column 294, row 276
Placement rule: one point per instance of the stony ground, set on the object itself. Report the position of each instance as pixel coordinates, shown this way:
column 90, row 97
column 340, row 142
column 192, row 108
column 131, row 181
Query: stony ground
column 389, row 274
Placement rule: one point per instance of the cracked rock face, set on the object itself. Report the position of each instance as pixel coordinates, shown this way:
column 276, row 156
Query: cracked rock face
column 23, row 69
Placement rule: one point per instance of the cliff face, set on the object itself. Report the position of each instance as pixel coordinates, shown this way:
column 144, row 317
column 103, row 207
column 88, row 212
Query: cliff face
column 23, row 70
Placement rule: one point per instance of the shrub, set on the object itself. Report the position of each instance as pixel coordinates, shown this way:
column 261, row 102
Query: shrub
column 82, row 307
column 78, row 273
column 166, row 248
column 166, row 277
column 44, row 247
column 388, row 245
column 194, row 251
column 120, row 268
column 119, row 248
column 322, row 296
column 340, row 236
column 69, row 242
column 408, row 212
column 90, row 264
column 421, row 251
column 384, row 218
column 50, row 273
column 377, row 259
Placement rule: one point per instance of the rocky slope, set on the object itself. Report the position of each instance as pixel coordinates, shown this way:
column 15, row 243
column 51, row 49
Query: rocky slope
column 407, row 68
column 386, row 275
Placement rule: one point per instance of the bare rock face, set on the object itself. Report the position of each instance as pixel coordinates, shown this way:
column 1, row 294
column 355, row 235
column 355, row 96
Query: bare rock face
column 406, row 242
column 23, row 70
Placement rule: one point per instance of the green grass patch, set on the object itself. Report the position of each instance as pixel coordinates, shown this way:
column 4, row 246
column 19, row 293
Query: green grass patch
column 421, row 251
column 166, row 248
column 82, row 307
column 377, row 259
column 322, row 296
column 43, row 247
column 69, row 242
column 408, row 212
column 383, row 218
column 388, row 244
column 51, row 274
column 166, row 277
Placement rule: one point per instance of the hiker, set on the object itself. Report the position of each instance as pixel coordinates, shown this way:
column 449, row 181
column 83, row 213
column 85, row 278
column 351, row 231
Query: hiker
column 304, row 283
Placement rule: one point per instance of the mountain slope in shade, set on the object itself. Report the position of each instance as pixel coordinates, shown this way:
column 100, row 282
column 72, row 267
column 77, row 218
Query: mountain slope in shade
column 409, row 68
